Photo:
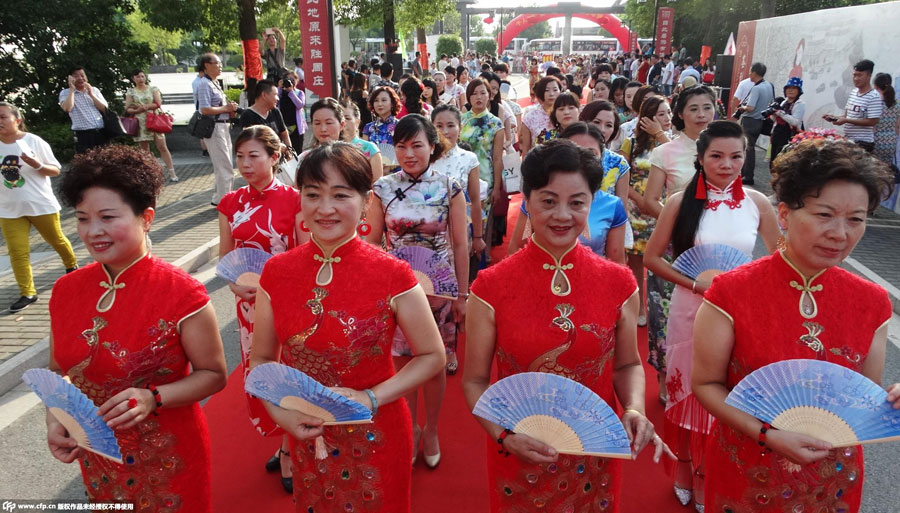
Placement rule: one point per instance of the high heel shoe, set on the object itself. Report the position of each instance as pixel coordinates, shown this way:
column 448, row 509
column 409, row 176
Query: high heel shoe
column 274, row 462
column 432, row 460
column 684, row 495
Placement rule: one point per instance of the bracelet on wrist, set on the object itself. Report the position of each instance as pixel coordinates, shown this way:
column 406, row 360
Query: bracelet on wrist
column 503, row 435
column 156, row 397
column 761, row 439
column 694, row 286
column 373, row 399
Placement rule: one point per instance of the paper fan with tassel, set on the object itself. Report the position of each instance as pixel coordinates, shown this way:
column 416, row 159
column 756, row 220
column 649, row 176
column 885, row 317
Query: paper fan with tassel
column 435, row 274
column 819, row 399
column 705, row 261
column 75, row 411
column 557, row 411
column 242, row 266
column 292, row 389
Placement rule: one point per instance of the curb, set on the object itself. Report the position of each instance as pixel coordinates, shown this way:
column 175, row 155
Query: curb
column 858, row 268
column 39, row 354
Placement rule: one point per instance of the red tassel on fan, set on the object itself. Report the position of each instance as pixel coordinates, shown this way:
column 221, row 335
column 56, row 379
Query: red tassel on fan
column 701, row 188
column 737, row 190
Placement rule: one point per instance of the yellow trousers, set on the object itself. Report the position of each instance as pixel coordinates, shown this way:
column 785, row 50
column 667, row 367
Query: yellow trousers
column 16, row 232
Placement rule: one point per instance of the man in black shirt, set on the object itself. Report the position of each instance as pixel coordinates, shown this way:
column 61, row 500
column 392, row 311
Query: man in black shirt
column 656, row 68
column 263, row 111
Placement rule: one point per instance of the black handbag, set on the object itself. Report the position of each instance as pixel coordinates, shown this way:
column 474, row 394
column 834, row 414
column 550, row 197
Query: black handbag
column 112, row 127
column 201, row 126
column 768, row 123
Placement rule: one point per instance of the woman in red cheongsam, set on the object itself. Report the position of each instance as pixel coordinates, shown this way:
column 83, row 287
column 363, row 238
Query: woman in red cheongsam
column 796, row 303
column 139, row 337
column 264, row 214
column 329, row 308
column 557, row 307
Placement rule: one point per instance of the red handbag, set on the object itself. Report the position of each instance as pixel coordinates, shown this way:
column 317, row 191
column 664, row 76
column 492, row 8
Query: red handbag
column 159, row 123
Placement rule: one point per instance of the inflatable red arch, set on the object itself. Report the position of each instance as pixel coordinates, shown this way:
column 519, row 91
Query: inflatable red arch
column 609, row 22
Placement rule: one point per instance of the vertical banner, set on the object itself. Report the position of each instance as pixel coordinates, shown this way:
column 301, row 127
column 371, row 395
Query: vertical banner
column 743, row 58
column 316, row 22
column 664, row 22
column 633, row 41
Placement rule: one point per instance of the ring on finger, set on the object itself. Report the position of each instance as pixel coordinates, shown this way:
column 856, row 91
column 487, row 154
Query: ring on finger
column 132, row 402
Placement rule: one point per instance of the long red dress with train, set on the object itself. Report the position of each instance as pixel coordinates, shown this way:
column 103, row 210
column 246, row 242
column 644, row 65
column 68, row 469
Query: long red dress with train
column 557, row 317
column 831, row 317
column 334, row 320
column 262, row 220
column 133, row 339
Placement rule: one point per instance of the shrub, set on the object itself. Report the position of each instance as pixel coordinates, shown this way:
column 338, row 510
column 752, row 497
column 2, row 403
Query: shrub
column 488, row 46
column 59, row 136
column 449, row 44
column 233, row 94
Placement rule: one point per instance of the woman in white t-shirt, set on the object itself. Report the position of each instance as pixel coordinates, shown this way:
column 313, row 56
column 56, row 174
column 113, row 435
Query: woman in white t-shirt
column 26, row 200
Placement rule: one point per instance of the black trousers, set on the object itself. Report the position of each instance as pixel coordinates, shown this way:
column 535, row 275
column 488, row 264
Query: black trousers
column 296, row 140
column 87, row 139
column 781, row 136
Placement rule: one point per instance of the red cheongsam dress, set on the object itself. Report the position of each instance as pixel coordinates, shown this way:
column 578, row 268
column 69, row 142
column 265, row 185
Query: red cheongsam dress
column 261, row 220
column 334, row 321
column 779, row 315
column 556, row 316
column 113, row 334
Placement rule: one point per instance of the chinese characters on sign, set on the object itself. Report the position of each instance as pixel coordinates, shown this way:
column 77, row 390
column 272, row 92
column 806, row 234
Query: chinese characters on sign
column 664, row 30
column 316, row 21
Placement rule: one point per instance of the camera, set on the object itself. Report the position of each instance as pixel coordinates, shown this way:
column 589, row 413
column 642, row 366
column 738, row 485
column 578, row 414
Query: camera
column 287, row 83
column 738, row 113
column 775, row 106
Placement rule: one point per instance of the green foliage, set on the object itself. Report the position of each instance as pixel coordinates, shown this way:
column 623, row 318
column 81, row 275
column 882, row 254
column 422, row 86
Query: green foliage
column 233, row 94
column 537, row 31
column 709, row 22
column 449, row 44
column 488, row 46
column 452, row 22
column 36, row 60
column 161, row 41
column 286, row 18
column 413, row 14
column 476, row 26
column 215, row 20
column 58, row 135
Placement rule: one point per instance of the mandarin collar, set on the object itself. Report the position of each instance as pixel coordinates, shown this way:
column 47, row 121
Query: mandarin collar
column 807, row 304
column 559, row 281
column 428, row 173
column 326, row 270
column 113, row 284
column 255, row 194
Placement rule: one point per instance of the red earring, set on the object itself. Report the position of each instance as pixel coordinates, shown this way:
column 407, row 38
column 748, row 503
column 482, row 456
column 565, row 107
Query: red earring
column 364, row 228
column 737, row 191
column 701, row 188
column 303, row 226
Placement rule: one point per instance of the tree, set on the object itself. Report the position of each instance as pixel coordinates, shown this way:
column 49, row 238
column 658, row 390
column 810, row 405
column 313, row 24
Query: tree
column 39, row 46
column 537, row 31
column 488, row 46
column 287, row 19
column 449, row 44
column 217, row 20
column 476, row 26
column 161, row 41
column 452, row 22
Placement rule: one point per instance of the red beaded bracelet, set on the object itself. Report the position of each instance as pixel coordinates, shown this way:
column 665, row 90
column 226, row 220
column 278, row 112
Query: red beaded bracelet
column 156, row 397
column 503, row 435
column 762, row 433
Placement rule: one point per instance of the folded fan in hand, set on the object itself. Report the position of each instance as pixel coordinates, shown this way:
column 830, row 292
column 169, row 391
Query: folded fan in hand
column 242, row 266
column 557, row 411
column 435, row 274
column 705, row 261
column 291, row 389
column 820, row 399
column 75, row 411
column 388, row 154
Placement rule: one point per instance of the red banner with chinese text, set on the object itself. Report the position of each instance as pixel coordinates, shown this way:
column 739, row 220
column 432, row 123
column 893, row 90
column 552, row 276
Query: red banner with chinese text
column 316, row 22
column 743, row 58
column 664, row 24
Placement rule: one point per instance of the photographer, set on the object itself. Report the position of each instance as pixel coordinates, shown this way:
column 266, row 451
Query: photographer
column 291, row 104
column 787, row 115
column 751, row 115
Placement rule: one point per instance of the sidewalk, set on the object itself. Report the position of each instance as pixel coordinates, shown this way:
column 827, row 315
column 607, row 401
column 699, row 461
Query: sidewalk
column 185, row 232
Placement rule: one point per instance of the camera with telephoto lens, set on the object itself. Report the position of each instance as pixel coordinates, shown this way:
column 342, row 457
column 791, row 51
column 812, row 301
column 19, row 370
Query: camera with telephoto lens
column 287, row 83
column 775, row 106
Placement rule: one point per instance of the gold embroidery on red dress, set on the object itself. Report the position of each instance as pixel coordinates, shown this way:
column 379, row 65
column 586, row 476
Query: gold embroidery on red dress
column 811, row 339
column 296, row 354
column 549, row 361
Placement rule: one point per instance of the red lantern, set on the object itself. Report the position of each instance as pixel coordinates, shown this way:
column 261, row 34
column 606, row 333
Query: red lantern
column 489, row 20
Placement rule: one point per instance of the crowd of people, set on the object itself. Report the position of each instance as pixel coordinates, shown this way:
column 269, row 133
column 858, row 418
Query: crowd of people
column 624, row 164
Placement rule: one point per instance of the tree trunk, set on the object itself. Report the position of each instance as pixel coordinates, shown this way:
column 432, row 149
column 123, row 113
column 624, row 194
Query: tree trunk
column 767, row 8
column 715, row 9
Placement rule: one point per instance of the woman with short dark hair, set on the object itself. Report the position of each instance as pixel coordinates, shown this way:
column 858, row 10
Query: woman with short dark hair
column 138, row 337
column 536, row 119
column 812, row 309
column 556, row 307
column 329, row 309
column 385, row 106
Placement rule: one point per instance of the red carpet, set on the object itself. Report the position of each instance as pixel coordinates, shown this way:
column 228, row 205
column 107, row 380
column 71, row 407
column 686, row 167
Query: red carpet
column 459, row 484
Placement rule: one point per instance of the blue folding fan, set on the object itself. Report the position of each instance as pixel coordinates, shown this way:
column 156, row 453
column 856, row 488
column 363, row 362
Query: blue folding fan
column 435, row 274
column 75, row 411
column 819, row 399
column 705, row 261
column 242, row 266
column 291, row 389
column 562, row 413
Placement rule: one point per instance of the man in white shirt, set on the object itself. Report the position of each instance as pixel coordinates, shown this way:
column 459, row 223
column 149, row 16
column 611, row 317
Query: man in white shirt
column 863, row 108
column 635, row 64
column 743, row 89
column 689, row 71
column 85, row 106
column 454, row 61
column 668, row 75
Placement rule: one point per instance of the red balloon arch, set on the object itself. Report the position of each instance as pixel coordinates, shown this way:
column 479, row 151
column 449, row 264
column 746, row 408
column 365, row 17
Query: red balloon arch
column 611, row 23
